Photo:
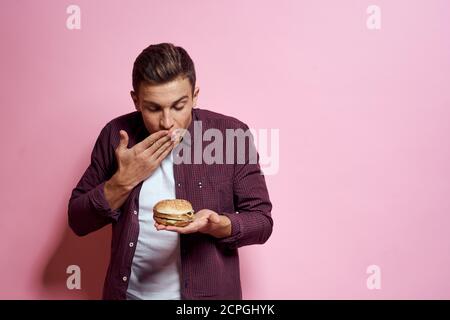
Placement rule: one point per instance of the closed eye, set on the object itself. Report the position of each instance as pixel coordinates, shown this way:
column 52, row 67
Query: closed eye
column 178, row 108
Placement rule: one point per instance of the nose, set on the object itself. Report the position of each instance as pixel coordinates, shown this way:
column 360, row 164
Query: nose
column 166, row 121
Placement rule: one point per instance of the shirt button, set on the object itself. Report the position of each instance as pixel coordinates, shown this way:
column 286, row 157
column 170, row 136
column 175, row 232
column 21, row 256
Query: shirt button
column 124, row 279
column 135, row 212
column 179, row 184
column 131, row 244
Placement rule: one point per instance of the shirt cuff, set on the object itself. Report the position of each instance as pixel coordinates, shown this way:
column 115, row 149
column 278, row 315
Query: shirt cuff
column 99, row 203
column 236, row 231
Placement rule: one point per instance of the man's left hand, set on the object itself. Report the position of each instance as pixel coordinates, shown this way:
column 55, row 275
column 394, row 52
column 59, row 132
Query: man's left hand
column 205, row 221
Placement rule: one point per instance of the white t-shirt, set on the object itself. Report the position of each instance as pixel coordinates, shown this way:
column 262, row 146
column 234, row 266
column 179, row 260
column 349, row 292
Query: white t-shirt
column 155, row 272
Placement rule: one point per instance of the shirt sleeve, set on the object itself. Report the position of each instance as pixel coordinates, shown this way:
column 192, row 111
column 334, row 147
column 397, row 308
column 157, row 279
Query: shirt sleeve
column 88, row 209
column 252, row 223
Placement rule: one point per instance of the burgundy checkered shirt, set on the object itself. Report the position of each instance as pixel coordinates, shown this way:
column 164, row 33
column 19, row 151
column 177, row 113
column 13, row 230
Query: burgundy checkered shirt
column 209, row 266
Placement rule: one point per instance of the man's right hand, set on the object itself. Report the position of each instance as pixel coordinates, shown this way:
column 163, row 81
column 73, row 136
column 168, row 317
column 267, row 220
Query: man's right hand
column 137, row 163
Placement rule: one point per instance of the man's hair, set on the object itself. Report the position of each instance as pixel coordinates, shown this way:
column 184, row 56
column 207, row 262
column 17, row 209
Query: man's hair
column 162, row 63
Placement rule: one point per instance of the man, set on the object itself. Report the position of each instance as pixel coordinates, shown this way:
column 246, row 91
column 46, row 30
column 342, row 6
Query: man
column 136, row 161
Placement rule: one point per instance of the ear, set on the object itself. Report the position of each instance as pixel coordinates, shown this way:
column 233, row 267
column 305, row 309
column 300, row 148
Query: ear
column 195, row 97
column 135, row 99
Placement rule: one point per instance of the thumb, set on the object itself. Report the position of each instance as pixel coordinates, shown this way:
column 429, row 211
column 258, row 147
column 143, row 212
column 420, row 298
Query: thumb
column 123, row 144
column 214, row 218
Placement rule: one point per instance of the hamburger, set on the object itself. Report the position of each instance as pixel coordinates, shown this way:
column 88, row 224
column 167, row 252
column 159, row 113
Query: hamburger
column 173, row 212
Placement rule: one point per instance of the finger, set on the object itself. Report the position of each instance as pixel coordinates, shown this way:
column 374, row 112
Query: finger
column 123, row 143
column 177, row 134
column 164, row 154
column 175, row 229
column 214, row 218
column 158, row 144
column 160, row 226
column 190, row 228
column 183, row 230
column 156, row 155
column 150, row 140
column 155, row 146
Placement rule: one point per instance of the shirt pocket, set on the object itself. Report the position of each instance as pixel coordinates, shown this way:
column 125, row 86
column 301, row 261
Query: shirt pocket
column 226, row 197
column 216, row 192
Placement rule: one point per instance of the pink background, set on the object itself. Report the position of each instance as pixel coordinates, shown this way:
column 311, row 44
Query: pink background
column 364, row 124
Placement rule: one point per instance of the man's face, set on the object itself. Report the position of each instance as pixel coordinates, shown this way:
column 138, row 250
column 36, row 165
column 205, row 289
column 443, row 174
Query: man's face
column 166, row 106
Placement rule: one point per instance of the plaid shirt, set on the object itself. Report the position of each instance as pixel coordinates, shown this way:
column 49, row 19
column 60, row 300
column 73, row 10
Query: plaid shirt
column 209, row 266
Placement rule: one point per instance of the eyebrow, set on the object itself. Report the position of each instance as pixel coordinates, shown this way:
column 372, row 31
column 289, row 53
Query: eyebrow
column 173, row 104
